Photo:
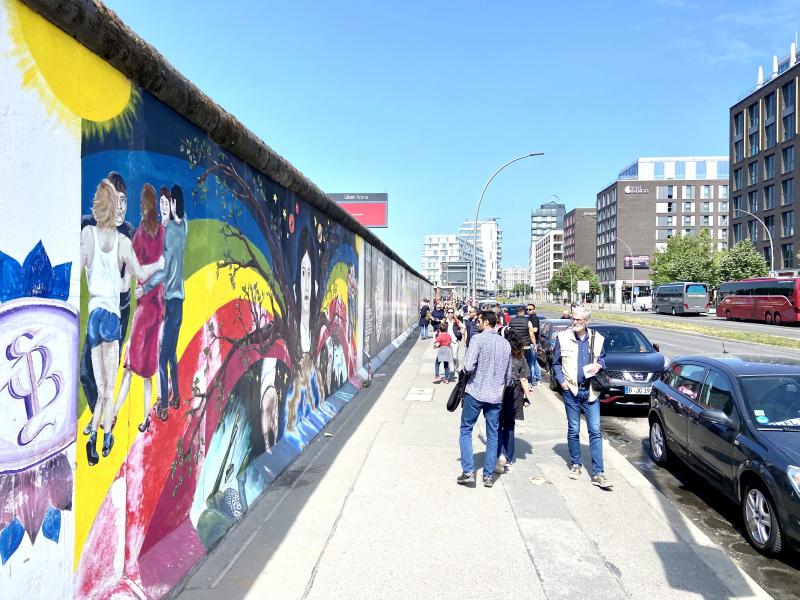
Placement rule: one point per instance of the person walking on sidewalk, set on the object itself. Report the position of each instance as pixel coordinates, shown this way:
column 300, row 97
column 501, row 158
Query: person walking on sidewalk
column 454, row 329
column 535, row 370
column 443, row 353
column 471, row 324
column 488, row 366
column 515, row 398
column 424, row 319
column 578, row 355
column 526, row 334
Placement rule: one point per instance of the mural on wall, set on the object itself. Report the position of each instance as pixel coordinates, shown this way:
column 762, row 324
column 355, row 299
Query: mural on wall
column 240, row 300
column 214, row 324
column 38, row 388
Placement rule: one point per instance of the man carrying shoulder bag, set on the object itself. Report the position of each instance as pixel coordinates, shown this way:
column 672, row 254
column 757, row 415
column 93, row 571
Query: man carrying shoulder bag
column 578, row 355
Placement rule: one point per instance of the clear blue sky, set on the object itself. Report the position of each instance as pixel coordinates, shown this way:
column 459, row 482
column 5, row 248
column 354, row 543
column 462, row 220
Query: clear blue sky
column 425, row 99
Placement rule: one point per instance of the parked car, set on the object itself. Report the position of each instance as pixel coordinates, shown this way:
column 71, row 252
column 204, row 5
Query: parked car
column 633, row 364
column 735, row 419
column 512, row 308
column 643, row 303
column 548, row 329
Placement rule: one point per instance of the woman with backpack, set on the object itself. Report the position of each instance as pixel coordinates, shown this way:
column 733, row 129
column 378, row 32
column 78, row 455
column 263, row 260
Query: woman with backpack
column 515, row 398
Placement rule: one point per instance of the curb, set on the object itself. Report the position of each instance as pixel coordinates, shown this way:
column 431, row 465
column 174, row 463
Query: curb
column 706, row 550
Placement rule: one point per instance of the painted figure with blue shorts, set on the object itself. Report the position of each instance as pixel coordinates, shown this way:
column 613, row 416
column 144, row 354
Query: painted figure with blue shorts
column 104, row 251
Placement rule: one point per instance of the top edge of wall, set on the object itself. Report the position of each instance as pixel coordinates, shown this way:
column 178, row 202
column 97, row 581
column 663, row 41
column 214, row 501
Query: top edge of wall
column 99, row 28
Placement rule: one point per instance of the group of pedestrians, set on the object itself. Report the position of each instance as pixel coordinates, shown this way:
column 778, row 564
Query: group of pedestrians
column 501, row 372
column 448, row 327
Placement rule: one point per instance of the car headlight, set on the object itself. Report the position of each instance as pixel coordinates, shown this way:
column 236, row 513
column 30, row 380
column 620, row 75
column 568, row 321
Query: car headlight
column 793, row 473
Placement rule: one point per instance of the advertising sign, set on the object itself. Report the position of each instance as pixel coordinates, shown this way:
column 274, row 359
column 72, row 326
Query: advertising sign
column 371, row 210
column 583, row 286
column 636, row 262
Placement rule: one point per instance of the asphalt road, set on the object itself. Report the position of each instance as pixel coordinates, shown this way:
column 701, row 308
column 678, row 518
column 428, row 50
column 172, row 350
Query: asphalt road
column 711, row 320
column 626, row 428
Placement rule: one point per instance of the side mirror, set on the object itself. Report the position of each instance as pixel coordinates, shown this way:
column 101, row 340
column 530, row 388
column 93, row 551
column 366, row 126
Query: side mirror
column 717, row 417
column 657, row 346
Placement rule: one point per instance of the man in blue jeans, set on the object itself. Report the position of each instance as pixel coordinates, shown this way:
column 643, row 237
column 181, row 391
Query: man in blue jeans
column 488, row 364
column 578, row 355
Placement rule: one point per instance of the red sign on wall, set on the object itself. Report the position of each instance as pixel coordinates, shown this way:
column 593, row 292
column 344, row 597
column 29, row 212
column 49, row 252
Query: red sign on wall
column 371, row 210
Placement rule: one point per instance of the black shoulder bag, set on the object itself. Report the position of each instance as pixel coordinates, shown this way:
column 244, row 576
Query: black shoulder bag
column 457, row 395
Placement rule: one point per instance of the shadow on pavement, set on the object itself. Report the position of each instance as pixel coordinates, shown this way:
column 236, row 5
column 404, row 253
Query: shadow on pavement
column 247, row 548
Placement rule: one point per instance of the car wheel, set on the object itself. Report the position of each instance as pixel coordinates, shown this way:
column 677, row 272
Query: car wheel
column 673, row 311
column 658, row 443
column 777, row 319
column 727, row 315
column 768, row 318
column 761, row 520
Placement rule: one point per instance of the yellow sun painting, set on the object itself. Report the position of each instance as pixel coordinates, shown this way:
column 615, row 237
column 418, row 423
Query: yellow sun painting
column 70, row 79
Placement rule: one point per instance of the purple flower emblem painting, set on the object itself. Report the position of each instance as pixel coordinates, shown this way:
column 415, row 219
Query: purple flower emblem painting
column 38, row 398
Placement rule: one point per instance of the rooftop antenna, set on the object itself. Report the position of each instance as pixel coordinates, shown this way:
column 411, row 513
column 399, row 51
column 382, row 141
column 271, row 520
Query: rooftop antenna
column 760, row 76
column 774, row 66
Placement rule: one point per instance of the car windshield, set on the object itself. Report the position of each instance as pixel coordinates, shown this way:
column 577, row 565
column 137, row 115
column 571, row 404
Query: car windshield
column 773, row 401
column 625, row 341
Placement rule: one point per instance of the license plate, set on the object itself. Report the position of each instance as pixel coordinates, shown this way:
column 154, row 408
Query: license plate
column 643, row 389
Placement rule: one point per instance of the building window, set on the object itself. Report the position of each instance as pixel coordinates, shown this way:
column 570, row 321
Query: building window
column 752, row 116
column 752, row 141
column 769, row 106
column 769, row 136
column 707, row 221
column 706, row 207
column 665, row 221
column 737, row 179
column 787, row 192
column 738, row 150
column 659, row 169
column 707, row 192
column 769, row 166
column 737, row 203
column 665, row 192
column 723, row 207
column 752, row 173
column 722, row 168
column 664, row 234
column 787, row 224
column 723, row 192
column 752, row 201
column 723, row 234
column 752, row 230
column 787, row 93
column 788, row 255
column 788, row 127
column 787, row 155
column 723, row 220
column 688, row 207
column 738, row 124
column 769, row 222
column 689, row 192
column 680, row 169
column 688, row 220
column 737, row 232
column 769, row 197
column 700, row 169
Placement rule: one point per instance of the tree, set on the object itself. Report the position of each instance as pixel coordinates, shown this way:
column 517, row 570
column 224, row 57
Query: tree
column 567, row 277
column 686, row 258
column 741, row 262
column 520, row 289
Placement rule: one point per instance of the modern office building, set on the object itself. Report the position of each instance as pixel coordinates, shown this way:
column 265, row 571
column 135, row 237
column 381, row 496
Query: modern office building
column 511, row 277
column 490, row 239
column 449, row 248
column 549, row 215
column 652, row 200
column 764, row 173
column 549, row 256
column 580, row 237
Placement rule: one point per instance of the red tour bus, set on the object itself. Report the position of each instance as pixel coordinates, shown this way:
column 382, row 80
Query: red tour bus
column 769, row 299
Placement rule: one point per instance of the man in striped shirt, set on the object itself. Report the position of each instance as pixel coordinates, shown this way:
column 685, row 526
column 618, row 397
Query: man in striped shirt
column 488, row 364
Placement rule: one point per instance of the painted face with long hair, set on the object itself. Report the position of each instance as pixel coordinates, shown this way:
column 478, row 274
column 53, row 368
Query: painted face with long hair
column 147, row 206
column 104, row 205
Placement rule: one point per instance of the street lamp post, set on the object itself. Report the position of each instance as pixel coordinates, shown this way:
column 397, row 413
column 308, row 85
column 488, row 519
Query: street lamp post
column 769, row 235
column 633, row 267
column 475, row 224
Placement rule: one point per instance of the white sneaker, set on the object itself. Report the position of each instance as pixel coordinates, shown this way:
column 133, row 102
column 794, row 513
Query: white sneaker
column 500, row 467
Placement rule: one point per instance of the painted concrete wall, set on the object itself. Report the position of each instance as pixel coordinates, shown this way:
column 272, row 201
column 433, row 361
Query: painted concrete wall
column 175, row 326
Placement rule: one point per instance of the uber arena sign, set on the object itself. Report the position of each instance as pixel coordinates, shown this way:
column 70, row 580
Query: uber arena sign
column 636, row 189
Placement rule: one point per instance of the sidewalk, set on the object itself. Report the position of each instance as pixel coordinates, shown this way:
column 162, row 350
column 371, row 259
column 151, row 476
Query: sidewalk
column 374, row 512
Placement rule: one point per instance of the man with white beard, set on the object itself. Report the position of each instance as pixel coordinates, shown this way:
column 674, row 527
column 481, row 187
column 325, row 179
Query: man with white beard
column 578, row 355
